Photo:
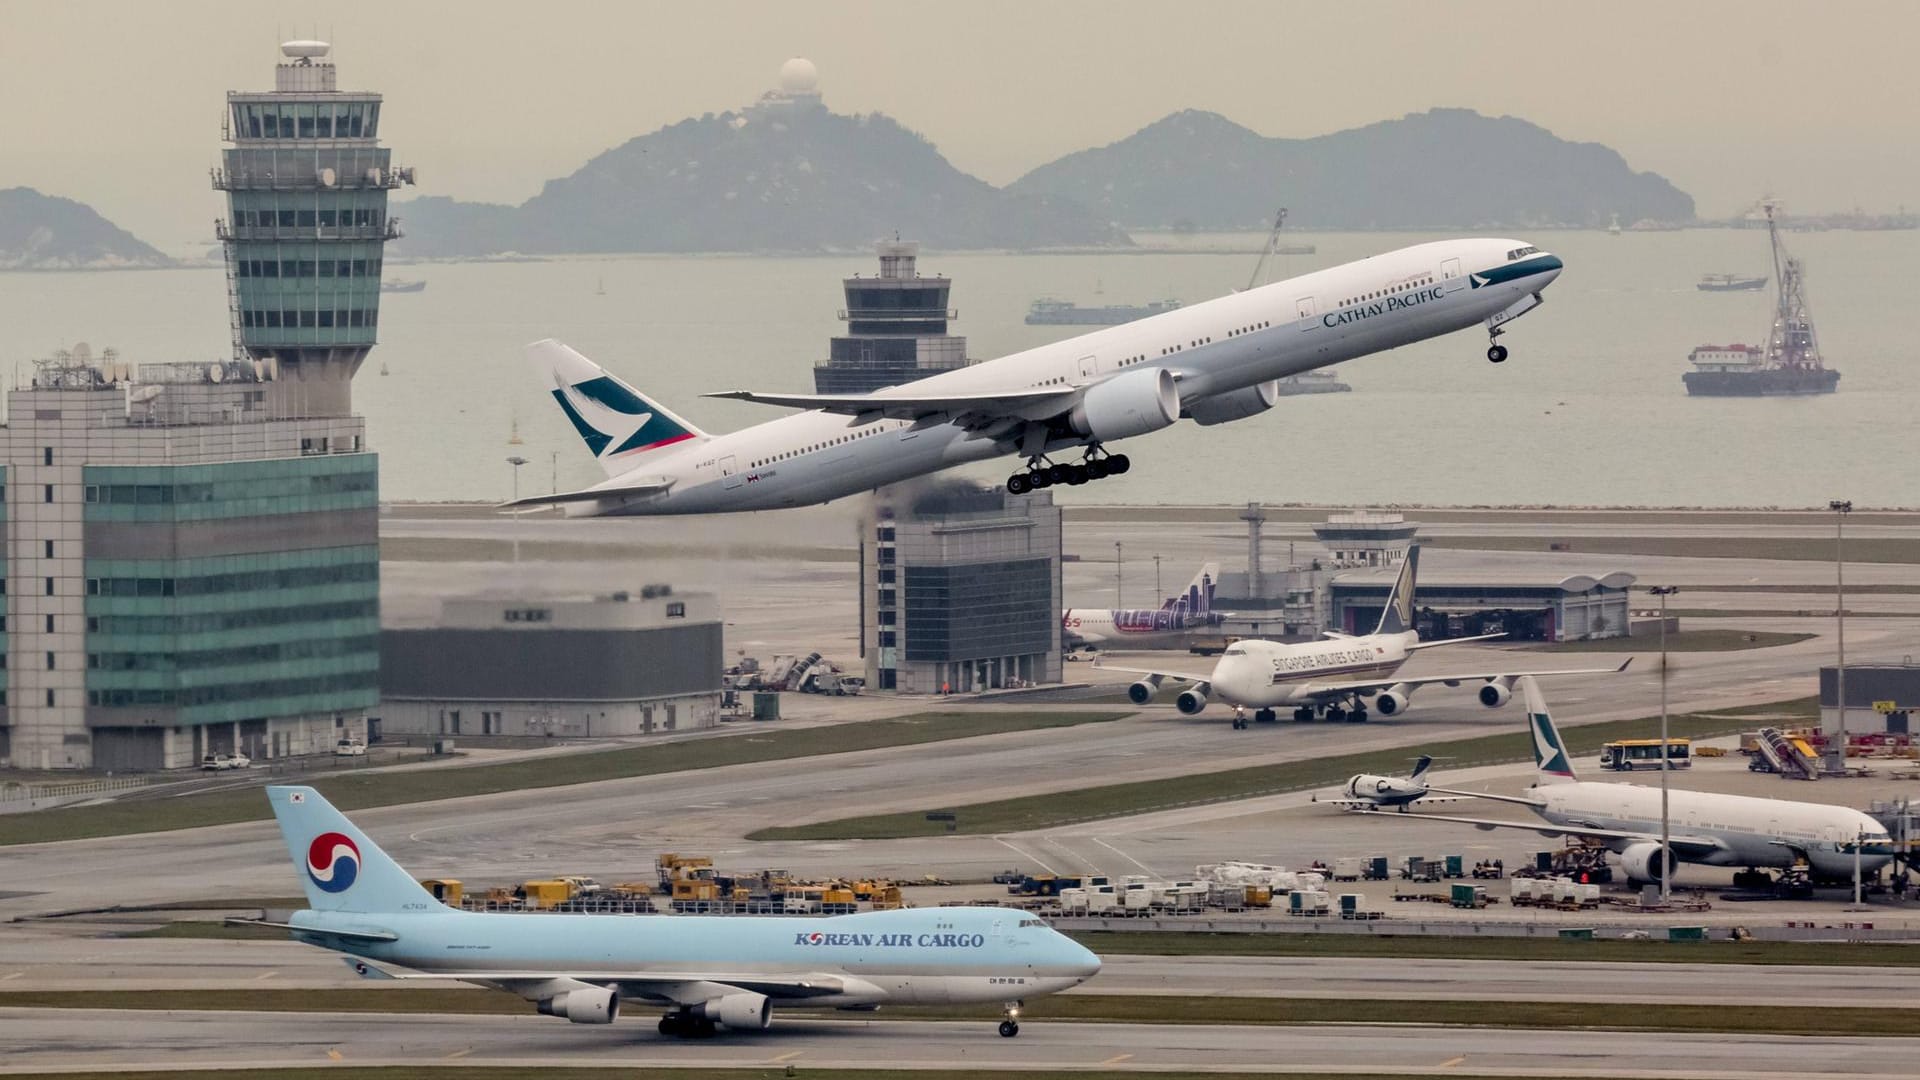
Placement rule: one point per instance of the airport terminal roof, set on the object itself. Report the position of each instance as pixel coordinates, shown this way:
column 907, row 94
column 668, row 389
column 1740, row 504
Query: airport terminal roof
column 1515, row 581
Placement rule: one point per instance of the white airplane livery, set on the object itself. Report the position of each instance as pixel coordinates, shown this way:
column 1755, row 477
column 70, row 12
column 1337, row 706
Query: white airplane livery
column 1703, row 827
column 1212, row 363
column 1333, row 679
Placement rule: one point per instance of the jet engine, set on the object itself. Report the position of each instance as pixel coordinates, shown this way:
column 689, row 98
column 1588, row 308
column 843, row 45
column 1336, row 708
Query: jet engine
column 1494, row 694
column 582, row 1004
column 1127, row 405
column 1643, row 862
column 1392, row 702
column 1232, row 405
column 1190, row 702
column 739, row 1011
column 1143, row 691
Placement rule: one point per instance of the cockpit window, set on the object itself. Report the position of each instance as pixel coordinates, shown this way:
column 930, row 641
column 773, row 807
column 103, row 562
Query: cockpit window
column 1521, row 253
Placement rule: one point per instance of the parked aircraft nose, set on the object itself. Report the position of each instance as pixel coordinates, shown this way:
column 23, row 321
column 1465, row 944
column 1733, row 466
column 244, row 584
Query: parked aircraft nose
column 1079, row 961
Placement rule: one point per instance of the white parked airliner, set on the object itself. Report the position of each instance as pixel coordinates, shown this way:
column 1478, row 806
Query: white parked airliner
column 1704, row 827
column 1212, row 362
column 1333, row 679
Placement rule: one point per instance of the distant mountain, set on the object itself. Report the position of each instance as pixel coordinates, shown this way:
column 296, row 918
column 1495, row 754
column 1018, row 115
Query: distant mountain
column 769, row 178
column 1448, row 168
column 45, row 232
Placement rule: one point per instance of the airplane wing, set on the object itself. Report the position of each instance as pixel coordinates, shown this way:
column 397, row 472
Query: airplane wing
column 1362, row 685
column 1696, row 847
column 679, row 987
column 625, row 491
column 1369, row 804
column 1453, row 641
column 1179, row 676
column 1023, row 404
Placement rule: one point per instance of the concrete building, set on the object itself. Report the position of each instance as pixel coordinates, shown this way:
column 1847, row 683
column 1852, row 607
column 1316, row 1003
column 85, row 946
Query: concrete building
column 1880, row 698
column 1366, row 538
column 960, row 590
column 192, row 559
column 1525, row 607
column 896, row 328
column 580, row 668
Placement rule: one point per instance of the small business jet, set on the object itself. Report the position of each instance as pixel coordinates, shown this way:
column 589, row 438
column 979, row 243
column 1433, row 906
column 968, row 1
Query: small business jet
column 1213, row 363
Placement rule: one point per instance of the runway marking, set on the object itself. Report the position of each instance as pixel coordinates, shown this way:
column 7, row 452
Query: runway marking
column 10, row 978
column 334, row 1055
column 458, row 1054
column 1116, row 1059
column 264, row 976
column 1025, row 854
column 786, row 1057
column 1124, row 855
column 1452, row 1063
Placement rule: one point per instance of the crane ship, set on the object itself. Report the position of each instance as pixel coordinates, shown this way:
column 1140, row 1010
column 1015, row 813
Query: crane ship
column 1789, row 364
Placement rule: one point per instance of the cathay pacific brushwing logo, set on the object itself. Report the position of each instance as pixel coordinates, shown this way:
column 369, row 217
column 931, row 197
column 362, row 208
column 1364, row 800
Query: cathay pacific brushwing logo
column 1548, row 755
column 613, row 419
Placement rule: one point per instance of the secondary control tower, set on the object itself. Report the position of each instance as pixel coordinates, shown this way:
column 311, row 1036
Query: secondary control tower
column 896, row 328
column 306, row 182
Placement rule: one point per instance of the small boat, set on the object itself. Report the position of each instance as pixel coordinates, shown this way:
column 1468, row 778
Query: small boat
column 1730, row 283
column 403, row 286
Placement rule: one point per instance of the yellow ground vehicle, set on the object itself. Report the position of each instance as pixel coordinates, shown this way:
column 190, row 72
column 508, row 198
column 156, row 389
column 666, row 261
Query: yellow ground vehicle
column 446, row 890
column 541, row 895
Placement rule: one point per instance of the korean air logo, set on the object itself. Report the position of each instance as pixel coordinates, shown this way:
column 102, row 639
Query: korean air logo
column 333, row 862
column 816, row 938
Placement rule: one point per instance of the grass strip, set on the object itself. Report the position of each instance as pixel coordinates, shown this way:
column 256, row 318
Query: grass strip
column 1083, row 1008
column 1422, row 947
column 595, row 1072
column 1076, row 805
column 1792, row 549
column 369, row 789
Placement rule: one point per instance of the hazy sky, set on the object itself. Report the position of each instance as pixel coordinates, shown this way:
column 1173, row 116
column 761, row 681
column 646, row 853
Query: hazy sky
column 117, row 103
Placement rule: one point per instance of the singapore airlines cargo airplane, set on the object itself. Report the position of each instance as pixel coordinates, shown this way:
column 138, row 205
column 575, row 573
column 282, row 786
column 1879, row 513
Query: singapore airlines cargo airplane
column 1213, row 363
column 706, row 970
column 1333, row 678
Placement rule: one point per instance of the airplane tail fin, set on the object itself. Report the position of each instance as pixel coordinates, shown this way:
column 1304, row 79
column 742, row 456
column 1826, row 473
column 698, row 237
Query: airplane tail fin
column 1397, row 618
column 1420, row 767
column 1551, row 765
column 340, row 868
column 1198, row 599
column 616, row 422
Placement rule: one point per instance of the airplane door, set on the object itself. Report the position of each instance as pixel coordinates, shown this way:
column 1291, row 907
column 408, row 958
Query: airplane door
column 1450, row 269
column 1088, row 365
column 1304, row 306
column 730, row 477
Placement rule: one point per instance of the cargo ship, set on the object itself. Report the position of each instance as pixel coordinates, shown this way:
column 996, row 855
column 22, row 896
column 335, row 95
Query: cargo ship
column 1730, row 283
column 1050, row 312
column 397, row 285
column 1789, row 364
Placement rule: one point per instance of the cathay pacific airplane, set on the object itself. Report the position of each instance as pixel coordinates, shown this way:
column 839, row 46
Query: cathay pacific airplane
column 706, row 970
column 1333, row 679
column 1212, row 363
column 1704, row 827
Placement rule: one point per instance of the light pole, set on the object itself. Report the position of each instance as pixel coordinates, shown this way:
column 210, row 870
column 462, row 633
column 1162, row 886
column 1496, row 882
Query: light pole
column 516, row 461
column 1841, row 508
column 1666, row 761
column 556, row 472
column 1116, row 577
column 1157, row 591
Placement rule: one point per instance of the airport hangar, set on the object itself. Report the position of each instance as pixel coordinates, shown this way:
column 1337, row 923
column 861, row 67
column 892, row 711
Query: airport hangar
column 1524, row 606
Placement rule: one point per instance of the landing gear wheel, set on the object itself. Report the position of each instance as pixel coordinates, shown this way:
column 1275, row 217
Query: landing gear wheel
column 1357, row 716
column 1118, row 464
column 1076, row 474
column 1057, row 474
column 1096, row 469
column 1263, row 716
column 1008, row 1029
column 1497, row 353
column 1040, row 478
column 1303, row 716
column 669, row 1025
column 1019, row 484
column 1335, row 714
column 1239, row 722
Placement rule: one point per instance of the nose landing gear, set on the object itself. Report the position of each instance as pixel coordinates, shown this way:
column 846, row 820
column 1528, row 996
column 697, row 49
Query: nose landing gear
column 1496, row 352
column 1011, row 1025
column 1042, row 473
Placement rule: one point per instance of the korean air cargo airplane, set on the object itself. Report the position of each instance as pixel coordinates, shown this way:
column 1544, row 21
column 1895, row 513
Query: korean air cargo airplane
column 703, row 970
column 1212, row 363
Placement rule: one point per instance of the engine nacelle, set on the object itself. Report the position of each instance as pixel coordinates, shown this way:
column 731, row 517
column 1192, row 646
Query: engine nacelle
column 1493, row 695
column 1392, row 702
column 1232, row 405
column 1127, row 405
column 740, row 1011
column 1643, row 862
column 1190, row 702
column 583, row 1004
column 1143, row 691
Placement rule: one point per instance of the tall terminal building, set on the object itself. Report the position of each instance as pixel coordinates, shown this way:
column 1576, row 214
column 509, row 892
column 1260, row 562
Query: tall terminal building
column 192, row 559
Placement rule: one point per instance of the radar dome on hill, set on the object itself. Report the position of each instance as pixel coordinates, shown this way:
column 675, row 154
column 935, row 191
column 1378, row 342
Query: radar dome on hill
column 304, row 50
column 799, row 76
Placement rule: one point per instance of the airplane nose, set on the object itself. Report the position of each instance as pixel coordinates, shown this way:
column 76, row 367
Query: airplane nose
column 1083, row 963
column 1552, row 268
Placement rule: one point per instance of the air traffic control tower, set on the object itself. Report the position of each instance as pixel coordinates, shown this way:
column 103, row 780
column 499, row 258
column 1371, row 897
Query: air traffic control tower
column 306, row 181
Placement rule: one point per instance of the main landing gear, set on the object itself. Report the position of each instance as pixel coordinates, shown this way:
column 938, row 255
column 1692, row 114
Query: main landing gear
column 1042, row 473
column 1496, row 352
column 1011, row 1025
column 1334, row 714
column 683, row 1024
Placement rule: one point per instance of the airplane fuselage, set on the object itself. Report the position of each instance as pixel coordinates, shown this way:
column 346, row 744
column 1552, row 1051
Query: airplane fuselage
column 1259, row 674
column 1215, row 347
column 1750, row 831
column 1142, row 628
column 908, row 956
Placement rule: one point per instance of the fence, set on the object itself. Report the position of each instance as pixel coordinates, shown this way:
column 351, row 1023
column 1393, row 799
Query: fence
column 15, row 791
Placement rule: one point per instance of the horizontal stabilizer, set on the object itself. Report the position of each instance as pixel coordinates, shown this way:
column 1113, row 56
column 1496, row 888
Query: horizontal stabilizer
column 350, row 935
column 625, row 491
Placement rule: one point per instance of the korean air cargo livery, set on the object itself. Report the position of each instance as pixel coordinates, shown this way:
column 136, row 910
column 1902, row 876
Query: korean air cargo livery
column 1212, row 363
column 705, row 971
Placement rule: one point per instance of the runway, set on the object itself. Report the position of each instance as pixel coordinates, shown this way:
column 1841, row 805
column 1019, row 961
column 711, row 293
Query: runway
column 36, row 1039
